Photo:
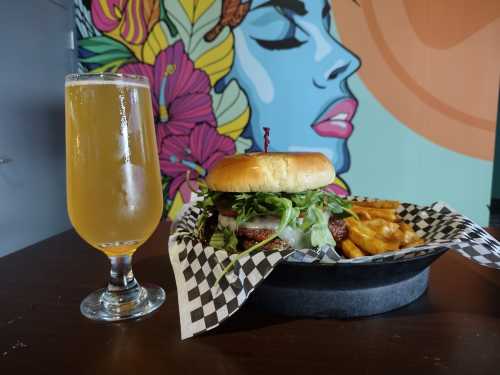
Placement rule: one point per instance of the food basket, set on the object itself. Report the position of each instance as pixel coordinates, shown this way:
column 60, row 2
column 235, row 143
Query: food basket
column 317, row 282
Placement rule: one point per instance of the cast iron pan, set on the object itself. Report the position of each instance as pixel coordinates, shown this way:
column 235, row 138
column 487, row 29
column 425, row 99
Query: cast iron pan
column 344, row 290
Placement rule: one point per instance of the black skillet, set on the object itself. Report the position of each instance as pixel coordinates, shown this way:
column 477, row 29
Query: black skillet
column 343, row 290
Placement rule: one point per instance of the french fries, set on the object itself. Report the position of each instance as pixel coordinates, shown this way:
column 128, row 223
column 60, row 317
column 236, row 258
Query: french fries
column 385, row 228
column 377, row 204
column 410, row 238
column 388, row 214
column 378, row 230
column 369, row 240
column 350, row 250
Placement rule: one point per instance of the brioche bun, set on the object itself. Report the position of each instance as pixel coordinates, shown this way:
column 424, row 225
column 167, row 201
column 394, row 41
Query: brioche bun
column 271, row 172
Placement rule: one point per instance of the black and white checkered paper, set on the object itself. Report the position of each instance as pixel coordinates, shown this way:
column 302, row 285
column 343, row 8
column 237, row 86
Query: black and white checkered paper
column 204, row 305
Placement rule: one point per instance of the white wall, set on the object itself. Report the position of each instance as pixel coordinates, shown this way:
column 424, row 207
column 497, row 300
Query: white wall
column 33, row 63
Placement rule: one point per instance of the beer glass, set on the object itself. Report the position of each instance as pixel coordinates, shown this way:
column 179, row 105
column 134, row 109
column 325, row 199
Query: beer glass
column 113, row 183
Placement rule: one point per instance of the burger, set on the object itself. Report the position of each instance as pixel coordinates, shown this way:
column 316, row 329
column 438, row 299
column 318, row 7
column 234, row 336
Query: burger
column 271, row 201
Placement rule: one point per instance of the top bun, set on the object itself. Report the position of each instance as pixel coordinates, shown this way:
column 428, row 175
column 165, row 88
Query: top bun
column 271, row 172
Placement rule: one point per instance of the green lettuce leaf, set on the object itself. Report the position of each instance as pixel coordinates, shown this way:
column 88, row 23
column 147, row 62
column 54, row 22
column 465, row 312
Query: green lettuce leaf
column 319, row 232
column 308, row 210
column 224, row 239
column 287, row 206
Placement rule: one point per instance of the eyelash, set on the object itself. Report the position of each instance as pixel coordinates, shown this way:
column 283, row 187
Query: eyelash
column 289, row 42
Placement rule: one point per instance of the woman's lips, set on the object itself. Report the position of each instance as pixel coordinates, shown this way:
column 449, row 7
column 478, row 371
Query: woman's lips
column 336, row 122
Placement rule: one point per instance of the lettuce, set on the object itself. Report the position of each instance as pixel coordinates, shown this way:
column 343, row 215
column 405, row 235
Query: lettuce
column 313, row 206
column 265, row 203
column 310, row 205
column 320, row 233
column 224, row 239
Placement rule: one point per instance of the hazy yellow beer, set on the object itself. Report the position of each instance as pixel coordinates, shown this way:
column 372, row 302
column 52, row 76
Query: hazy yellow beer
column 113, row 179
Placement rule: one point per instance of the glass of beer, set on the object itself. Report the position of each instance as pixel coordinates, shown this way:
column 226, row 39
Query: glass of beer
column 114, row 191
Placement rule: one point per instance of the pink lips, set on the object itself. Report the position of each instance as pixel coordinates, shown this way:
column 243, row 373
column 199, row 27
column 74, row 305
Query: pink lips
column 336, row 122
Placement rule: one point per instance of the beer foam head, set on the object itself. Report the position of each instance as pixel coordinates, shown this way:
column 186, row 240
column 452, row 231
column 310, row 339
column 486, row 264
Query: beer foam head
column 116, row 79
column 117, row 82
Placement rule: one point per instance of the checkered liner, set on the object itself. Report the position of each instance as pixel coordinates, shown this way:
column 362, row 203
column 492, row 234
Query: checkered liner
column 203, row 305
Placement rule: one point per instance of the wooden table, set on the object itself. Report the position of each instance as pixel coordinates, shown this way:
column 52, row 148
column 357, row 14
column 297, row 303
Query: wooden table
column 454, row 328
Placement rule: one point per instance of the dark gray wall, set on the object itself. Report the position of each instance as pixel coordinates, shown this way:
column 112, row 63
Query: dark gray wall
column 35, row 57
column 495, row 191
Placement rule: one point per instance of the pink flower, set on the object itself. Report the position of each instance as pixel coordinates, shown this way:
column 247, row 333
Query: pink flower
column 133, row 18
column 188, row 141
column 181, row 93
column 194, row 153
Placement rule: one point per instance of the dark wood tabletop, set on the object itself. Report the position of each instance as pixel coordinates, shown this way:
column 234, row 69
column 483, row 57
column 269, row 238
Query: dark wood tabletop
column 453, row 328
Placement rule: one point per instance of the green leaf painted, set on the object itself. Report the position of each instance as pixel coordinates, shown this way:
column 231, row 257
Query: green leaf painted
column 229, row 104
column 231, row 109
column 192, row 25
column 102, row 44
column 105, row 58
column 112, row 66
column 243, row 144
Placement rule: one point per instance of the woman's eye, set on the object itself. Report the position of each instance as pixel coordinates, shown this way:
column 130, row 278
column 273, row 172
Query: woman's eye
column 273, row 28
column 280, row 44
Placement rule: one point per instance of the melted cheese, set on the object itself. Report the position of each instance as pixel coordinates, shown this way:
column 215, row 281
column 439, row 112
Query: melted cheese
column 263, row 222
column 294, row 236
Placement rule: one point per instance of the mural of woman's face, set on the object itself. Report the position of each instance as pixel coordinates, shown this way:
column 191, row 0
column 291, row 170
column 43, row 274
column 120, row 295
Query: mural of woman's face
column 294, row 74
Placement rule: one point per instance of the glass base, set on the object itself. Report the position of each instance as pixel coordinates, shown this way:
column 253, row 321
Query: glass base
column 104, row 305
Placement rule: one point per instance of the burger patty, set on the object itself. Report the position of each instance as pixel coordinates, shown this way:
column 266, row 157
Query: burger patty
column 251, row 237
column 338, row 228
column 255, row 234
column 276, row 244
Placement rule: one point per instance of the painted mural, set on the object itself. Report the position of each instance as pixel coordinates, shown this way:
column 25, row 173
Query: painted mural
column 222, row 70
column 440, row 57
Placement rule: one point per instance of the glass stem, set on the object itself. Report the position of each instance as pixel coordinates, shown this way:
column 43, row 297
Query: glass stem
column 122, row 287
column 121, row 275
